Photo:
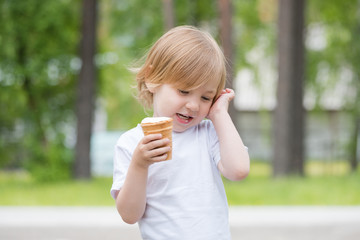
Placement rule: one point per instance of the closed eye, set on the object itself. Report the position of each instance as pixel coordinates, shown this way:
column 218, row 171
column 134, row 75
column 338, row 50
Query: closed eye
column 183, row 92
column 206, row 98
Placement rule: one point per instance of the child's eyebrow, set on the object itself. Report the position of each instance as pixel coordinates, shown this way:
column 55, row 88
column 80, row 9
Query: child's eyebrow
column 210, row 91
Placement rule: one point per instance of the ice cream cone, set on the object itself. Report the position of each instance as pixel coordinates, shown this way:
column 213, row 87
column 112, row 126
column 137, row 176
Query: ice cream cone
column 161, row 125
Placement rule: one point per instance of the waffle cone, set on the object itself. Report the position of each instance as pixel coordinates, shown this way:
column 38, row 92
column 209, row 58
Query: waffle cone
column 164, row 127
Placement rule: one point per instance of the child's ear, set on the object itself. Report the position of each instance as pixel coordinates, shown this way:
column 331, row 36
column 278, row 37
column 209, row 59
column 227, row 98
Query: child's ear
column 151, row 87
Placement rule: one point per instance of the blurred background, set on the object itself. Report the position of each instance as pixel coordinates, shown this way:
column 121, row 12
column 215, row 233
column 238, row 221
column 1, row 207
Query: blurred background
column 66, row 94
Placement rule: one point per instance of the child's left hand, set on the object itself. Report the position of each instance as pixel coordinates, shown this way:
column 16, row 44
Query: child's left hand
column 221, row 104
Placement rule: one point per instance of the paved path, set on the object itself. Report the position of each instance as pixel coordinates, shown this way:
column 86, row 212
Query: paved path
column 247, row 223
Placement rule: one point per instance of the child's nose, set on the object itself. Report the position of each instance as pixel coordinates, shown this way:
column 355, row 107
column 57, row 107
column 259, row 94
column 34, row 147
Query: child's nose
column 192, row 105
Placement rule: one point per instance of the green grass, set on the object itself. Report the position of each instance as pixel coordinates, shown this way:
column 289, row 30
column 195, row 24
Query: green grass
column 325, row 184
column 20, row 190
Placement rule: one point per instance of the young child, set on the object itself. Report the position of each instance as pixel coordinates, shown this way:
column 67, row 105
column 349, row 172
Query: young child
column 183, row 198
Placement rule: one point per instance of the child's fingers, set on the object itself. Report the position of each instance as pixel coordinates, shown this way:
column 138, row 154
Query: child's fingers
column 229, row 93
column 161, row 158
column 229, row 90
column 151, row 137
column 159, row 154
column 156, row 144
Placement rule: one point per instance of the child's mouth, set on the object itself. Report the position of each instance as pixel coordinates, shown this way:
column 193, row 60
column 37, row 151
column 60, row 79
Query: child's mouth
column 183, row 118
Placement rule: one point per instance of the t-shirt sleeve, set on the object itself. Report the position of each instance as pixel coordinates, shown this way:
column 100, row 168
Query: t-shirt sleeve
column 122, row 158
column 214, row 143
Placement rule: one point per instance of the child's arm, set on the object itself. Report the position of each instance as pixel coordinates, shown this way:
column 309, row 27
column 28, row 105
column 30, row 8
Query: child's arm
column 131, row 199
column 235, row 162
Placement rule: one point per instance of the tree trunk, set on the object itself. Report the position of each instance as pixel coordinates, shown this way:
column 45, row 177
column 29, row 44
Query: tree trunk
column 86, row 91
column 168, row 10
column 355, row 138
column 225, row 10
column 355, row 146
column 289, row 114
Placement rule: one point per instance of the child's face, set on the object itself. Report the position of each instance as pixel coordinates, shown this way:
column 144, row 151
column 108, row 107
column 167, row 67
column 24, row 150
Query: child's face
column 187, row 108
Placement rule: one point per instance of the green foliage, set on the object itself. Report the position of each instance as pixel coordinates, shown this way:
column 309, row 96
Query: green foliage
column 339, row 60
column 340, row 25
column 118, row 27
column 38, row 44
column 135, row 24
column 254, row 26
column 53, row 162
column 196, row 12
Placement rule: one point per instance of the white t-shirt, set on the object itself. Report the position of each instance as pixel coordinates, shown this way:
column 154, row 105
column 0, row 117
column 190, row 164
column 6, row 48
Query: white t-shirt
column 185, row 196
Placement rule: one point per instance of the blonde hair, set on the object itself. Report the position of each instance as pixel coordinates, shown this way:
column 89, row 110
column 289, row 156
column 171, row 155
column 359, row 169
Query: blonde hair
column 185, row 57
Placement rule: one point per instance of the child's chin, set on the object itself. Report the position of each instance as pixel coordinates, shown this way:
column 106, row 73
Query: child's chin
column 180, row 129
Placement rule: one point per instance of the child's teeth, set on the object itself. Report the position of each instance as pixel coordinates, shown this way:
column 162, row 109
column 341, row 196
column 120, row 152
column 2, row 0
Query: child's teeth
column 183, row 117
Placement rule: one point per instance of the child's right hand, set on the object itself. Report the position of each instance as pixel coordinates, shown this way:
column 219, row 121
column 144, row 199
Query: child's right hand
column 151, row 149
